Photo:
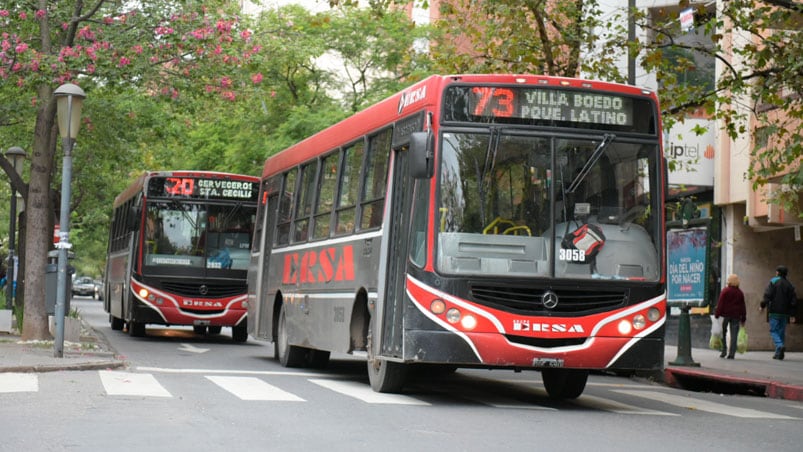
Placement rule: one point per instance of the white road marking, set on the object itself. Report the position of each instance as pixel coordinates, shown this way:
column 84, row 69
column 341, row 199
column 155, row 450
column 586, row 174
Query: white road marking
column 363, row 392
column 192, row 349
column 167, row 370
column 18, row 382
column 131, row 384
column 250, row 388
column 613, row 406
column 704, row 405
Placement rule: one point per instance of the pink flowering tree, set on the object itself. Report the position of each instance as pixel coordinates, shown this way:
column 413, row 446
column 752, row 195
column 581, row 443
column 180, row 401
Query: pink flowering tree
column 166, row 48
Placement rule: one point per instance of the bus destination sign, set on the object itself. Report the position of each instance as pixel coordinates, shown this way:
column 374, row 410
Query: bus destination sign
column 547, row 104
column 206, row 188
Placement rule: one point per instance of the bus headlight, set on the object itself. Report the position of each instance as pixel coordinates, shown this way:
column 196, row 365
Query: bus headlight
column 624, row 327
column 453, row 315
column 653, row 314
column 639, row 322
column 469, row 322
column 143, row 293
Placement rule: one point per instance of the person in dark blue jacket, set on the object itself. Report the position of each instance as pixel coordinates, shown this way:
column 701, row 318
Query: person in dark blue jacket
column 781, row 303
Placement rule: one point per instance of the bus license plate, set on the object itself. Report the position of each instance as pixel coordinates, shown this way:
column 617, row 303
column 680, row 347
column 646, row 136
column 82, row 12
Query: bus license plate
column 547, row 362
column 201, row 322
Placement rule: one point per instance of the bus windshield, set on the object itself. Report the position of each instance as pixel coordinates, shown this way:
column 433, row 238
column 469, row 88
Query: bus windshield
column 201, row 235
column 525, row 205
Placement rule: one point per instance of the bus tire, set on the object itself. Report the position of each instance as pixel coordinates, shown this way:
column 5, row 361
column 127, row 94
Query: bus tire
column 239, row 332
column 288, row 355
column 317, row 359
column 214, row 329
column 116, row 322
column 384, row 376
column 564, row 383
column 136, row 329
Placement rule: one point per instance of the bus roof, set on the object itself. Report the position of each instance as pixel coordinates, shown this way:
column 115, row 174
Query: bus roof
column 136, row 186
column 412, row 99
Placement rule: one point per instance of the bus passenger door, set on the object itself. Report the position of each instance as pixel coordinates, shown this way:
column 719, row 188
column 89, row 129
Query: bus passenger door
column 264, row 300
column 391, row 304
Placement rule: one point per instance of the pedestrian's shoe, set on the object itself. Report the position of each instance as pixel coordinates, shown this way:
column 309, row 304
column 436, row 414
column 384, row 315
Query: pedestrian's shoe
column 722, row 355
column 730, row 356
column 781, row 352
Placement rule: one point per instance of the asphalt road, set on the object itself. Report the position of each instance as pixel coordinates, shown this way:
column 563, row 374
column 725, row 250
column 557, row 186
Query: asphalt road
column 186, row 392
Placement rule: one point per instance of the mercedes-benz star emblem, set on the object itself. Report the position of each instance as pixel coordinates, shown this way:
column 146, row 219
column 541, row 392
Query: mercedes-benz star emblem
column 550, row 299
column 203, row 290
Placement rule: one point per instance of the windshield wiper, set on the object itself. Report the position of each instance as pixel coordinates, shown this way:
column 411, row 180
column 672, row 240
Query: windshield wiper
column 606, row 140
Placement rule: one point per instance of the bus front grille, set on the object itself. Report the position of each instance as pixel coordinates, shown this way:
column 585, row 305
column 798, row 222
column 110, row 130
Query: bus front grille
column 529, row 300
column 212, row 289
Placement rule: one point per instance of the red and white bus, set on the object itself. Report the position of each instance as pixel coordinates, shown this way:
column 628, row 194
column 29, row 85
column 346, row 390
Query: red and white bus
column 178, row 252
column 492, row 221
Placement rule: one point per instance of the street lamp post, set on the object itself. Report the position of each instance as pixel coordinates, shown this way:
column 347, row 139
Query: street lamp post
column 17, row 157
column 69, row 100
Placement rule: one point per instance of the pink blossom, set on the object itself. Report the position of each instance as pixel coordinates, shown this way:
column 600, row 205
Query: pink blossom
column 225, row 82
column 21, row 47
column 228, row 95
column 40, row 13
column 124, row 62
column 23, row 15
column 138, row 49
column 245, row 34
column 86, row 33
column 3, row 13
column 256, row 78
column 90, row 68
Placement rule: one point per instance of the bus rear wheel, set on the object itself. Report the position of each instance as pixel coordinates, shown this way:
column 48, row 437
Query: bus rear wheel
column 564, row 383
column 288, row 355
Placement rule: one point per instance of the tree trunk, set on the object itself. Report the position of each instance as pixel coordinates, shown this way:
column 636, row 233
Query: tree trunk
column 39, row 230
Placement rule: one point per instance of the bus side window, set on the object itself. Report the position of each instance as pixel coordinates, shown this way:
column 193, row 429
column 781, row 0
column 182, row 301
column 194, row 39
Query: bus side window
column 304, row 206
column 376, row 176
column 349, row 180
column 327, row 183
column 286, row 208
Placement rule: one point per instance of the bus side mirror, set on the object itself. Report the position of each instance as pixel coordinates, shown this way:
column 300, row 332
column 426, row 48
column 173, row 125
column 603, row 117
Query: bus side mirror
column 422, row 155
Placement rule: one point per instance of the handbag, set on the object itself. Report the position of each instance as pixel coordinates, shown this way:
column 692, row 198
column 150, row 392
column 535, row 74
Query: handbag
column 741, row 341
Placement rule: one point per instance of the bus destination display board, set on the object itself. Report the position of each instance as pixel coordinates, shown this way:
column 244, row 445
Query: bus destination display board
column 548, row 105
column 204, row 188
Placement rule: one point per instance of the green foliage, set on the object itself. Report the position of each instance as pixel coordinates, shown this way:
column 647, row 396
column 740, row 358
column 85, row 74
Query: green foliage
column 757, row 91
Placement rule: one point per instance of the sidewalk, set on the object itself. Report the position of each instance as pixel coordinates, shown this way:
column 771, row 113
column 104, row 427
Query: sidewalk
column 91, row 353
column 753, row 373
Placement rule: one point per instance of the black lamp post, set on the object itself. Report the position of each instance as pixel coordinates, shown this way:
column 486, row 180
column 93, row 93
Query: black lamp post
column 69, row 100
column 17, row 157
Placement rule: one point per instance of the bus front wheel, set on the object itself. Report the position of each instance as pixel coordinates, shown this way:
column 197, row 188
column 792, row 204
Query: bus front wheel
column 288, row 355
column 564, row 383
column 385, row 376
column 239, row 332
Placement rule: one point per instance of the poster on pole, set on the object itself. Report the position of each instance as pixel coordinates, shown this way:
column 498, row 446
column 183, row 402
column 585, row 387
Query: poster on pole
column 686, row 266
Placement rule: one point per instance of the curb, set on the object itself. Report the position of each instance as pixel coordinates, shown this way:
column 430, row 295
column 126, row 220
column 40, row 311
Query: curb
column 699, row 380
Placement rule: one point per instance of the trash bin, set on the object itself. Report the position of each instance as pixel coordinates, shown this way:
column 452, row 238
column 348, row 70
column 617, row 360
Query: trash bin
column 51, row 288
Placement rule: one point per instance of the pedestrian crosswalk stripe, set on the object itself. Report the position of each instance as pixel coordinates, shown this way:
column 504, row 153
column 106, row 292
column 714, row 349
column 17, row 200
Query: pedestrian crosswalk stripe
column 613, row 406
column 703, row 405
column 362, row 391
column 250, row 388
column 131, row 384
column 18, row 382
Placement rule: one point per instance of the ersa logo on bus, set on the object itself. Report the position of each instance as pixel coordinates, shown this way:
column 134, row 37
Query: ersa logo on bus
column 410, row 97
